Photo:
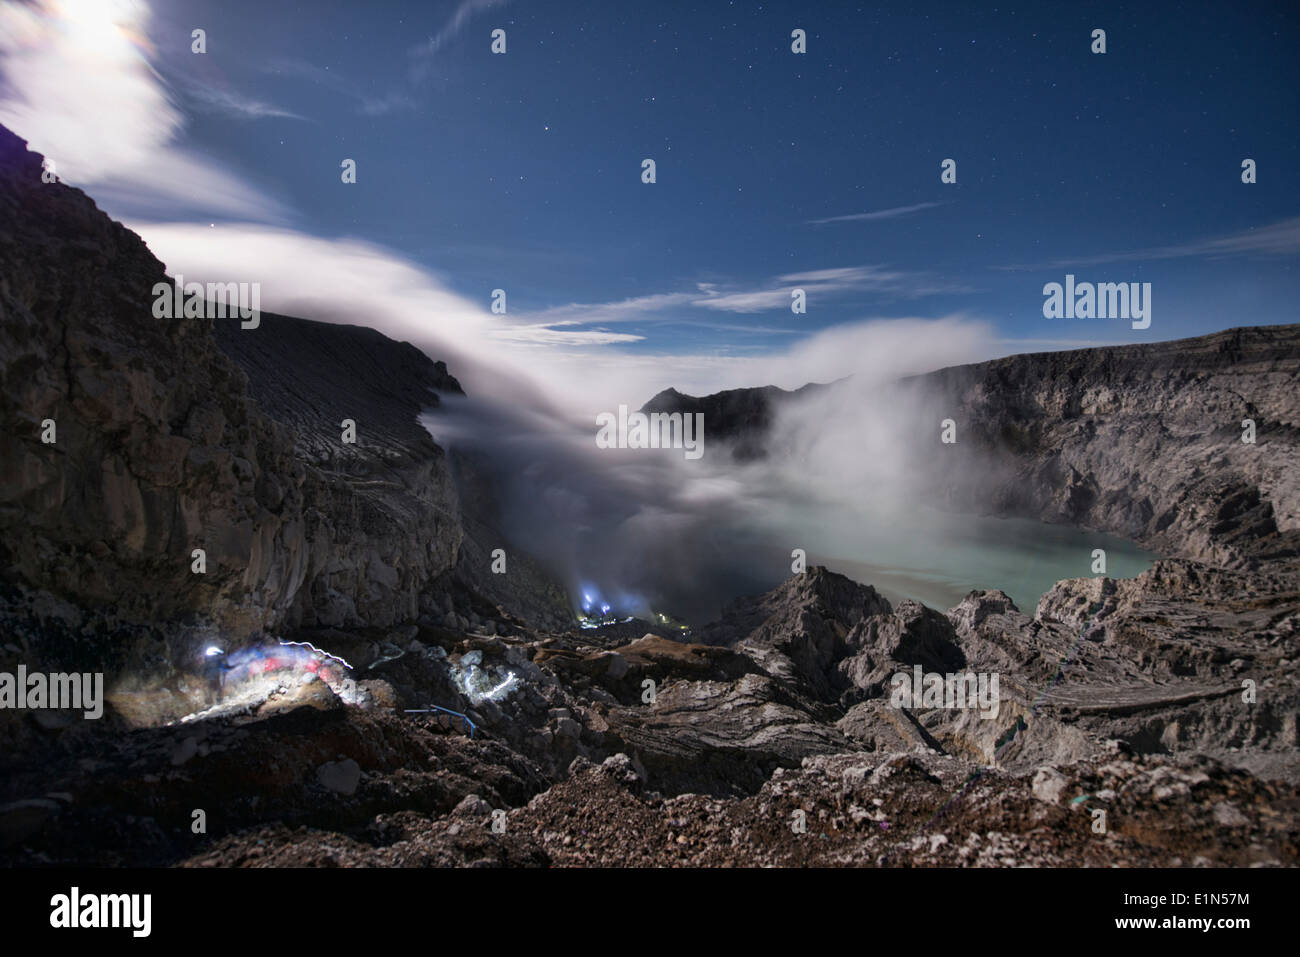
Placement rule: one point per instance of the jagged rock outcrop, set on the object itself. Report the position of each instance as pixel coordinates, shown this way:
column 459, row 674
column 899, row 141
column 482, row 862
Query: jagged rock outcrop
column 158, row 449
column 838, row 639
column 741, row 417
column 401, row 511
column 162, row 445
column 380, row 516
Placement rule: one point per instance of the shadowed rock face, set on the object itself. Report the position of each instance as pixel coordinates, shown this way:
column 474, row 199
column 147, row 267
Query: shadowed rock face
column 382, row 513
column 402, row 510
column 310, row 375
column 1144, row 441
column 159, row 449
column 1141, row 441
column 739, row 416
column 165, row 445
column 838, row 639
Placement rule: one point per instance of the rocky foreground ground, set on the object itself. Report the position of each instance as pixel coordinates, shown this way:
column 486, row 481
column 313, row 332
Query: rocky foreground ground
column 781, row 707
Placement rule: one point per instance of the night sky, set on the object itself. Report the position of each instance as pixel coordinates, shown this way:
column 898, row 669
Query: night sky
column 775, row 170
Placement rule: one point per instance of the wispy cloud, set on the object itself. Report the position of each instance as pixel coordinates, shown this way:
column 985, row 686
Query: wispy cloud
column 750, row 329
column 671, row 307
column 757, row 300
column 892, row 213
column 367, row 104
column 547, row 334
column 882, row 280
column 383, row 105
column 234, row 105
column 1277, row 239
column 546, row 325
column 622, row 310
column 466, row 11
column 845, row 276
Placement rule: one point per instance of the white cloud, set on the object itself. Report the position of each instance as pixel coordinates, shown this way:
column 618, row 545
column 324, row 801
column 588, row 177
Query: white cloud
column 464, row 12
column 354, row 281
column 758, row 300
column 622, row 310
column 871, row 349
column 79, row 88
column 828, row 282
column 383, row 105
column 1276, row 239
column 846, row 275
column 366, row 104
column 548, row 335
column 349, row 280
column 236, row 105
column 879, row 214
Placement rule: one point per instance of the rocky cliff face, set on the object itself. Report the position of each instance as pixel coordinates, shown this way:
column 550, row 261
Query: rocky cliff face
column 1141, row 441
column 379, row 516
column 528, row 592
column 1144, row 441
column 741, row 417
column 163, row 444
